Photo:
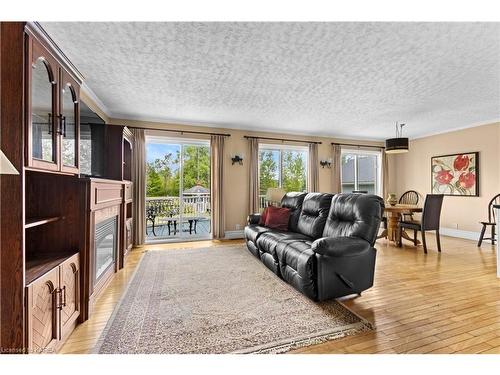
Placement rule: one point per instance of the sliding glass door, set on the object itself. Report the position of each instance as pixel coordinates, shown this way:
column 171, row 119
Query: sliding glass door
column 178, row 189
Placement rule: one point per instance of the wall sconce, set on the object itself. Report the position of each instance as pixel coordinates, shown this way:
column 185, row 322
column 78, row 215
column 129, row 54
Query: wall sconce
column 326, row 163
column 237, row 159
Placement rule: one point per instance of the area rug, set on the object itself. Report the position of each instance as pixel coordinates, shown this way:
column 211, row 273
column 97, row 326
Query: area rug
column 218, row 300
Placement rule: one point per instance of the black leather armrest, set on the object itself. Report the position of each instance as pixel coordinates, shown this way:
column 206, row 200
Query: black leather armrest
column 253, row 219
column 340, row 246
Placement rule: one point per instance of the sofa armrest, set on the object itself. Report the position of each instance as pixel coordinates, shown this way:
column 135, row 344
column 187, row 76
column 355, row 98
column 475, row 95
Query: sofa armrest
column 253, row 219
column 340, row 246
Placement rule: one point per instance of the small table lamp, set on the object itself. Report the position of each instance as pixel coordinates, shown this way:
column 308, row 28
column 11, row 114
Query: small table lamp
column 274, row 195
column 6, row 166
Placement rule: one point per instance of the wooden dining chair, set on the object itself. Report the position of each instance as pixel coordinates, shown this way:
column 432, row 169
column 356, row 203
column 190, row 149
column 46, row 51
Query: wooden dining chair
column 431, row 215
column 491, row 221
column 408, row 197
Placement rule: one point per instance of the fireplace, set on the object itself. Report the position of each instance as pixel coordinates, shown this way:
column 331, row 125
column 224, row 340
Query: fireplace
column 106, row 236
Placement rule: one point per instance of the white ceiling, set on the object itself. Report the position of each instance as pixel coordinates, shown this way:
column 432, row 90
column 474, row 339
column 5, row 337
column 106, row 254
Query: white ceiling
column 349, row 80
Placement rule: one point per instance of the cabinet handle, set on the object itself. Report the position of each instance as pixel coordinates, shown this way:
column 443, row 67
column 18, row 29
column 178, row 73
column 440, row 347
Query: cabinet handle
column 64, row 126
column 59, row 124
column 59, row 298
column 63, row 304
column 49, row 123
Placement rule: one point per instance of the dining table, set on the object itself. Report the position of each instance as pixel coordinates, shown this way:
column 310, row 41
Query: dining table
column 394, row 214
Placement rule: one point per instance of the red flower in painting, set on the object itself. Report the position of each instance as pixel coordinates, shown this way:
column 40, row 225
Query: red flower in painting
column 444, row 177
column 461, row 163
column 467, row 180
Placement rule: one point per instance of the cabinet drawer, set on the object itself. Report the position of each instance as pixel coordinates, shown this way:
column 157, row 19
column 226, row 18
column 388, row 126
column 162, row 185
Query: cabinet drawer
column 106, row 194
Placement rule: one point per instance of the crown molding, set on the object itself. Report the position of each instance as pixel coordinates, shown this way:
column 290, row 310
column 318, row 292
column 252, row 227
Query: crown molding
column 458, row 128
column 92, row 95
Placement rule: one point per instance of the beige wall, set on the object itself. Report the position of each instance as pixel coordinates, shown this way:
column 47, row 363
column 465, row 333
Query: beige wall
column 412, row 171
column 236, row 177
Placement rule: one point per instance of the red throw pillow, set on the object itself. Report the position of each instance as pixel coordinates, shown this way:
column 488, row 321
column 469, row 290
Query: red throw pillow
column 262, row 220
column 277, row 218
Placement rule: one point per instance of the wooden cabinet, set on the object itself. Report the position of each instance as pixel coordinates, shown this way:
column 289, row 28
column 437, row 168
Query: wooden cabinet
column 42, row 307
column 53, row 306
column 69, row 275
column 52, row 112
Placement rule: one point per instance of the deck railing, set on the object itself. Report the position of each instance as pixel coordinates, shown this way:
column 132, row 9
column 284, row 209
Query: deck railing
column 194, row 205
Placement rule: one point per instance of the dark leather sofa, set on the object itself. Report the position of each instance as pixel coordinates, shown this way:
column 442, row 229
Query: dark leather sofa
column 328, row 250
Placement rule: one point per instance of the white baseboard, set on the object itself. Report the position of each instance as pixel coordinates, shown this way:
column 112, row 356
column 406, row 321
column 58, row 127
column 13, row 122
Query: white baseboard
column 233, row 234
column 468, row 235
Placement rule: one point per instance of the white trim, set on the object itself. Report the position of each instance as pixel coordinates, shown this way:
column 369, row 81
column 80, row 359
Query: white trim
column 233, row 234
column 458, row 128
column 468, row 235
column 92, row 95
column 159, row 137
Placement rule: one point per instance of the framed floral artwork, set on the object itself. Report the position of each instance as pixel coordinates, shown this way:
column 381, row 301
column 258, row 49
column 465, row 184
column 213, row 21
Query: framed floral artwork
column 455, row 174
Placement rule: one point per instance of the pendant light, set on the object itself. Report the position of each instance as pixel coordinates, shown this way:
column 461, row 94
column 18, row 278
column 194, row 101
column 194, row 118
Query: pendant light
column 399, row 144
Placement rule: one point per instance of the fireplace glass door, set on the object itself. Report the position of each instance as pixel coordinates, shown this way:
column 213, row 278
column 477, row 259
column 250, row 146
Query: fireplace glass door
column 105, row 245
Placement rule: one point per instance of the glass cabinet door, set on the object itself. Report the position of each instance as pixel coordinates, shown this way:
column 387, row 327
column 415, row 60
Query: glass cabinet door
column 42, row 119
column 69, row 125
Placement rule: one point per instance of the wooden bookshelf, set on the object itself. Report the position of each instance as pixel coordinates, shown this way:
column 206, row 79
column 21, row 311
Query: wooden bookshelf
column 40, row 265
column 36, row 221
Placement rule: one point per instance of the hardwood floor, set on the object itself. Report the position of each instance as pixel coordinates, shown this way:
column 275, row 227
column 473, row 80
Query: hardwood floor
column 434, row 303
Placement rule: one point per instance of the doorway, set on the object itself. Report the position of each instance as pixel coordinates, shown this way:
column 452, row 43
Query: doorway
column 178, row 204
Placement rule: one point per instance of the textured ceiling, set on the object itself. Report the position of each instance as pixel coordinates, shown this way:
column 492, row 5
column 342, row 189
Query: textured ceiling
column 338, row 79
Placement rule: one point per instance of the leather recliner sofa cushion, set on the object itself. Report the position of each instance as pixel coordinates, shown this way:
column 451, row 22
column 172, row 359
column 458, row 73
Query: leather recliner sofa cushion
column 293, row 201
column 354, row 215
column 313, row 215
column 297, row 265
column 252, row 232
column 267, row 242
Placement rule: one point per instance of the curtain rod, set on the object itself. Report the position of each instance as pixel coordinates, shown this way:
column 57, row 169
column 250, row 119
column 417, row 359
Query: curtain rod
column 168, row 130
column 347, row 144
column 282, row 139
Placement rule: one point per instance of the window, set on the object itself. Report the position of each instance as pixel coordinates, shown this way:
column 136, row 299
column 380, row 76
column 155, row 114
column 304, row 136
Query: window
column 282, row 166
column 361, row 171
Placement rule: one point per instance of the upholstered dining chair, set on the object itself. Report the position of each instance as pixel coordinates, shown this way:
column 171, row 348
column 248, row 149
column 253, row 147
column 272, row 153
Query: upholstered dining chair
column 491, row 221
column 431, row 215
column 408, row 197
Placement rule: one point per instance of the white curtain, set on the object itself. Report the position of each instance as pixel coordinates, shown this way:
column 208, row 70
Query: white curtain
column 337, row 168
column 313, row 169
column 216, row 186
column 139, row 186
column 253, row 165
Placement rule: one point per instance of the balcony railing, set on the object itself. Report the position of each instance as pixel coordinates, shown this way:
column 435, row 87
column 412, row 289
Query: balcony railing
column 194, row 205
column 262, row 202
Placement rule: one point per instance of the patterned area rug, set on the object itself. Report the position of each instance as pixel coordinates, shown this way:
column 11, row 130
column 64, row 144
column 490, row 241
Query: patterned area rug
column 218, row 300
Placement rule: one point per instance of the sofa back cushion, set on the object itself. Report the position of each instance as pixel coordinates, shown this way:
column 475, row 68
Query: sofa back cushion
column 293, row 201
column 313, row 214
column 277, row 218
column 354, row 215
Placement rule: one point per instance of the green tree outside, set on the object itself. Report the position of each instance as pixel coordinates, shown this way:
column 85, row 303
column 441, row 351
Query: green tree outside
column 293, row 170
column 163, row 174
